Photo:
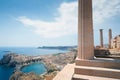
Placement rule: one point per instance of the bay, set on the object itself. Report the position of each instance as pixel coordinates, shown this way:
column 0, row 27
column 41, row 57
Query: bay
column 5, row 72
column 37, row 68
column 30, row 51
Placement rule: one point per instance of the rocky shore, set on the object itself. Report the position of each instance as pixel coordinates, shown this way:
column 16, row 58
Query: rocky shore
column 53, row 63
column 18, row 61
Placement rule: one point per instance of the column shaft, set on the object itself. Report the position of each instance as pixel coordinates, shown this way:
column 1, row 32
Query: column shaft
column 110, row 37
column 101, row 38
column 85, row 30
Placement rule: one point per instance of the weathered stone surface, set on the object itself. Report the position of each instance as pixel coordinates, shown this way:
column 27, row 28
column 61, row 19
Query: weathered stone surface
column 85, row 30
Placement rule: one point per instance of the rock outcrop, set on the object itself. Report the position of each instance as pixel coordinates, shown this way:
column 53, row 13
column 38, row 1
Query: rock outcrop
column 24, row 76
column 14, row 59
column 53, row 63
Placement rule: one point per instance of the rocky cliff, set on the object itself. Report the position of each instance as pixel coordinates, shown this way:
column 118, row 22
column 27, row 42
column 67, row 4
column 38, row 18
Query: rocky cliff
column 14, row 59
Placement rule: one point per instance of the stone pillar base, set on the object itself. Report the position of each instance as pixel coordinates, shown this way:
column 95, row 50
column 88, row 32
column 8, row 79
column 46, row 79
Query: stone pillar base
column 99, row 67
column 99, row 62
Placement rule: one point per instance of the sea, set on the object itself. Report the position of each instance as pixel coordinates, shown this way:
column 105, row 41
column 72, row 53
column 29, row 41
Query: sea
column 37, row 68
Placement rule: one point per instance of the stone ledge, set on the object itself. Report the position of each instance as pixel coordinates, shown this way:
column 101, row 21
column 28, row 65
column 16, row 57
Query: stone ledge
column 86, row 77
column 97, row 71
column 99, row 62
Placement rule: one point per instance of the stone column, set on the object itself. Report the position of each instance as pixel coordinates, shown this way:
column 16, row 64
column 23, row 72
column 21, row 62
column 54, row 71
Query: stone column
column 110, row 37
column 85, row 30
column 101, row 38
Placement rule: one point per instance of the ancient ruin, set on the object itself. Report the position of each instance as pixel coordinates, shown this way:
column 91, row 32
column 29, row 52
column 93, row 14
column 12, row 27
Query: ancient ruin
column 101, row 38
column 115, row 42
column 110, row 37
column 87, row 66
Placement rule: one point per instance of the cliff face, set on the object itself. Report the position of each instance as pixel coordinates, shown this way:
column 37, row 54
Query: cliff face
column 13, row 59
column 6, row 59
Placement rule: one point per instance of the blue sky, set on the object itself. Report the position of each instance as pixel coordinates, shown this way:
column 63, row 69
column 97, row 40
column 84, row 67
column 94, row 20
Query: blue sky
column 52, row 22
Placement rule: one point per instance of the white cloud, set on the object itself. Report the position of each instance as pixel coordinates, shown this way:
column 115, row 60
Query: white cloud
column 66, row 22
column 105, row 9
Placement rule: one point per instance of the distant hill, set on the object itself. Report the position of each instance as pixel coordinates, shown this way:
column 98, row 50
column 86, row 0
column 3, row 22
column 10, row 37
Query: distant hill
column 58, row 47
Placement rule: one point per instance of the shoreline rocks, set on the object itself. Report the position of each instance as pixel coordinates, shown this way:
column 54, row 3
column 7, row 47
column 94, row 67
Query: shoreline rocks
column 13, row 60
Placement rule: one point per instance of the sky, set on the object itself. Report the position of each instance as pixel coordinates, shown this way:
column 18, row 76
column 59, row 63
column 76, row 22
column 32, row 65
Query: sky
column 32, row 23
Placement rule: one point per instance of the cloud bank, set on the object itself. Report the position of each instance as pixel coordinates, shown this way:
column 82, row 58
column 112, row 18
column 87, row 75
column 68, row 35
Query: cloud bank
column 105, row 9
column 66, row 23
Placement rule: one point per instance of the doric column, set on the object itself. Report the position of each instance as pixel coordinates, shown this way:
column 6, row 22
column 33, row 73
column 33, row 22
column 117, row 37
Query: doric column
column 85, row 30
column 110, row 37
column 101, row 38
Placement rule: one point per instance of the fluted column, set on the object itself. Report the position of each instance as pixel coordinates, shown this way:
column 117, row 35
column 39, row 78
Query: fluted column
column 110, row 37
column 101, row 38
column 85, row 30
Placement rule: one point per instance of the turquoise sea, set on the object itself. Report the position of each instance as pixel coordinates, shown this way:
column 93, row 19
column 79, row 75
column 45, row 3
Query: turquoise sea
column 37, row 68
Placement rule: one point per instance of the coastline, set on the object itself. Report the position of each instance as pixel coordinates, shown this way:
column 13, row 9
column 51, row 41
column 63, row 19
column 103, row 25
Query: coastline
column 52, row 62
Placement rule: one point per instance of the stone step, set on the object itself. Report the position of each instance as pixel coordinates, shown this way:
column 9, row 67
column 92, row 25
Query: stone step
column 97, row 71
column 99, row 62
column 86, row 77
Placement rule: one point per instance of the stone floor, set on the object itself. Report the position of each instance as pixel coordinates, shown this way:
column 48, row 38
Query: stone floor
column 66, row 73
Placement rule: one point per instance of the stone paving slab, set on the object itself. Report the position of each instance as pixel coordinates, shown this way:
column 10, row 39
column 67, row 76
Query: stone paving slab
column 66, row 73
